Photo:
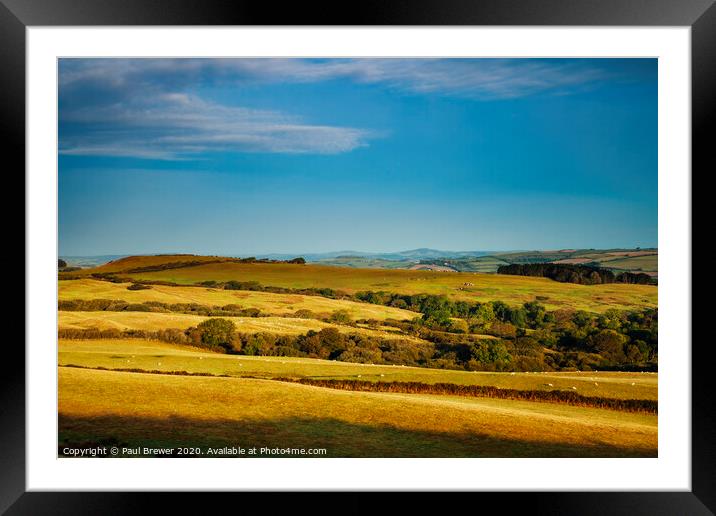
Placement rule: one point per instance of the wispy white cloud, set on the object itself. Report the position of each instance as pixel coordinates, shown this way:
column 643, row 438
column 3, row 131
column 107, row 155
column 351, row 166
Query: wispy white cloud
column 177, row 126
column 479, row 78
column 141, row 108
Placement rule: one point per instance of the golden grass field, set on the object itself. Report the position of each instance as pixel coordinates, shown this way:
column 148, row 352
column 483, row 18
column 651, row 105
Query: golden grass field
column 154, row 355
column 161, row 321
column 485, row 287
column 243, row 404
column 275, row 304
column 161, row 410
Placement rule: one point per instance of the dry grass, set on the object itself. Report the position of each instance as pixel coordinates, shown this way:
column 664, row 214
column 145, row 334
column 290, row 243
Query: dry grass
column 152, row 355
column 275, row 304
column 485, row 287
column 158, row 321
column 147, row 409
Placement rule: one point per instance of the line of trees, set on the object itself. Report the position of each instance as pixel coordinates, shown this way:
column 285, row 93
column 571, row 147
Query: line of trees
column 569, row 273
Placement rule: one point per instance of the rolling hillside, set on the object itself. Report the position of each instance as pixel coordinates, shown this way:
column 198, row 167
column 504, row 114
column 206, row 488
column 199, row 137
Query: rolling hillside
column 262, row 412
column 462, row 286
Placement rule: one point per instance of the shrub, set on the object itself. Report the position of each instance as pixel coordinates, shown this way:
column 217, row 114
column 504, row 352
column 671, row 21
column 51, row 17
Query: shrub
column 217, row 332
column 138, row 286
column 340, row 317
column 305, row 314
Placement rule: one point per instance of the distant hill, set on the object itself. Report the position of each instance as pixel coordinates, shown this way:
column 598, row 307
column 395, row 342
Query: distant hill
column 616, row 260
column 90, row 261
column 635, row 260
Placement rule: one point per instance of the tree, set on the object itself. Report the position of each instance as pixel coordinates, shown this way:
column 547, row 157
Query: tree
column 484, row 315
column 518, row 317
column 61, row 263
column 217, row 332
column 439, row 317
column 535, row 313
column 331, row 340
column 609, row 344
column 459, row 326
column 490, row 352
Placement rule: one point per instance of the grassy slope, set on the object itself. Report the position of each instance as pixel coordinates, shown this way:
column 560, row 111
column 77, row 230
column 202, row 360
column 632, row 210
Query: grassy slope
column 277, row 304
column 647, row 263
column 160, row 410
column 152, row 355
column 159, row 321
column 132, row 262
column 485, row 287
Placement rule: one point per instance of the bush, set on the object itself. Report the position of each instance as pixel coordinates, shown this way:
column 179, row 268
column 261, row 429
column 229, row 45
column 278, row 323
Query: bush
column 217, row 332
column 340, row 317
column 138, row 286
column 305, row 314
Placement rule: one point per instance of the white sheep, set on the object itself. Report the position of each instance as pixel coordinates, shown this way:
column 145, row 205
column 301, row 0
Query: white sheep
column 574, row 388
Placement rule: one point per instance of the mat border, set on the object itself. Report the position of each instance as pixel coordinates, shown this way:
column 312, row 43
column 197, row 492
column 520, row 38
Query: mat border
column 700, row 15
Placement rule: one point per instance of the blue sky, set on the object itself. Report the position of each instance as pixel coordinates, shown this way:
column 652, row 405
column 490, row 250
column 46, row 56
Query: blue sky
column 254, row 156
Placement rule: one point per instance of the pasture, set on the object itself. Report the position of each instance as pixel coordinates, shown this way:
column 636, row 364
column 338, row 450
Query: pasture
column 162, row 410
column 162, row 321
column 469, row 286
column 139, row 392
column 153, row 355
column 269, row 303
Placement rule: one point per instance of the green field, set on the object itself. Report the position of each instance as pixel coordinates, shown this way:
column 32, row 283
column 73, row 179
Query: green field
column 162, row 410
column 464, row 286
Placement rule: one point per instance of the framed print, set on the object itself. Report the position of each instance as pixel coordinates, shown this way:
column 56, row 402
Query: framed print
column 413, row 250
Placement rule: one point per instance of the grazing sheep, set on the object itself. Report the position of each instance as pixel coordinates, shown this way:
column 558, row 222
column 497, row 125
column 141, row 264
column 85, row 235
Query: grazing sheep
column 595, row 383
column 550, row 385
column 359, row 376
column 633, row 383
column 382, row 375
column 574, row 388
column 512, row 374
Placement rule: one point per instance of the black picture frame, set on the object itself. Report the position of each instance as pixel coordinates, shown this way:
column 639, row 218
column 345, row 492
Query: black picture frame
column 700, row 15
